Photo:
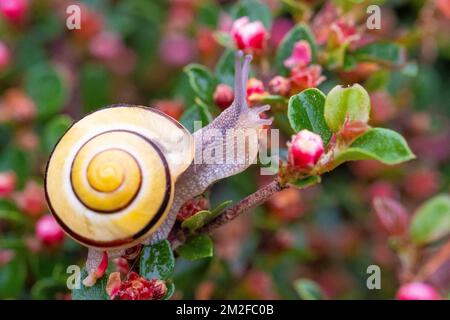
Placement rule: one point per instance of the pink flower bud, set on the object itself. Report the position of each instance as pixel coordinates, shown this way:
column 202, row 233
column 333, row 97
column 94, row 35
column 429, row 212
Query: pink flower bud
column 305, row 149
column 392, row 216
column 14, row 10
column 417, row 291
column 49, row 231
column 223, row 96
column 7, row 183
column 249, row 36
column 32, row 199
column 444, row 7
column 106, row 45
column 177, row 50
column 304, row 78
column 343, row 32
column 280, row 85
column 5, row 56
column 301, row 55
column 255, row 88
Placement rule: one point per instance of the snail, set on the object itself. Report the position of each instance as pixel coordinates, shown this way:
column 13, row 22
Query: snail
column 118, row 177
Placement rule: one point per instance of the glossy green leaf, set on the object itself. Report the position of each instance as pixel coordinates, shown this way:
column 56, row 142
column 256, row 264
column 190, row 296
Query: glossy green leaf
column 306, row 111
column 170, row 290
column 193, row 114
column 157, row 261
column 308, row 290
column 224, row 71
column 432, row 220
column 96, row 292
column 18, row 161
column 217, row 210
column 255, row 10
column 387, row 53
column 299, row 32
column 197, row 220
column 53, row 131
column 201, row 80
column 95, row 86
column 12, row 277
column 47, row 288
column 346, row 104
column 306, row 182
column 46, row 88
column 380, row 144
column 197, row 247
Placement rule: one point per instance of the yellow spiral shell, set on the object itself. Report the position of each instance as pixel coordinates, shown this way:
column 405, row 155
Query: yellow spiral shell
column 110, row 179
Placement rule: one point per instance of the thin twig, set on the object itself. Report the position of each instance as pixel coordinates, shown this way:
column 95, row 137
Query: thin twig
column 178, row 235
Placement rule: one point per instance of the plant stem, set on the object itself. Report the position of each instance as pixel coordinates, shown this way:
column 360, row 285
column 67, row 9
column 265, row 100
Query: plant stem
column 178, row 235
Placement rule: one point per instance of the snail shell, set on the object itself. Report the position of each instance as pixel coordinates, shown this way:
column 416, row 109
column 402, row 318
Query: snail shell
column 110, row 179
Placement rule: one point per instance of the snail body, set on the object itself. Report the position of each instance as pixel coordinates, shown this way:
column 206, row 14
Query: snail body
column 119, row 176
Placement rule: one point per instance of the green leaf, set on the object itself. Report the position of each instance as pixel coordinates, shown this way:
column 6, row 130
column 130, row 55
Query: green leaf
column 46, row 289
column 96, row 292
column 387, row 53
column 95, row 86
column 12, row 216
column 432, row 220
column 170, row 290
column 12, row 277
column 299, row 32
column 254, row 10
column 217, row 210
column 195, row 113
column 201, row 80
column 46, row 88
column 197, row 220
column 53, row 131
column 197, row 247
column 18, row 161
column 306, row 111
column 308, row 290
column 346, row 104
column 224, row 70
column 157, row 261
column 380, row 144
column 306, row 182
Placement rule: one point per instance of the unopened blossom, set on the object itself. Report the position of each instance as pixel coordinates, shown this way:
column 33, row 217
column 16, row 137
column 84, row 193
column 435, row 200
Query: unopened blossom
column 32, row 199
column 14, row 11
column 91, row 23
column 304, row 78
column 417, row 291
column 392, row 216
column 301, row 55
column 249, row 36
column 280, row 85
column 223, row 96
column 17, row 106
column 106, row 45
column 173, row 108
column 5, row 56
column 343, row 32
column 49, row 231
column 135, row 287
column 177, row 49
column 255, row 89
column 191, row 207
column 305, row 149
column 444, row 7
column 7, row 183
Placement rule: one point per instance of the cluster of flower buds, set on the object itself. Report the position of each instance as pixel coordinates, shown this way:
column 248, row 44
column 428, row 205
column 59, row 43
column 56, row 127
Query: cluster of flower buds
column 191, row 207
column 135, row 287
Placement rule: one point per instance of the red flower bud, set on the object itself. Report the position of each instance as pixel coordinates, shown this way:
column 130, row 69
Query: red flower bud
column 135, row 287
column 7, row 183
column 280, row 85
column 49, row 231
column 5, row 56
column 255, row 89
column 305, row 149
column 32, row 199
column 14, row 10
column 301, row 55
column 417, row 291
column 392, row 216
column 172, row 108
column 444, row 7
column 304, row 78
column 249, row 36
column 191, row 207
column 422, row 183
column 223, row 96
